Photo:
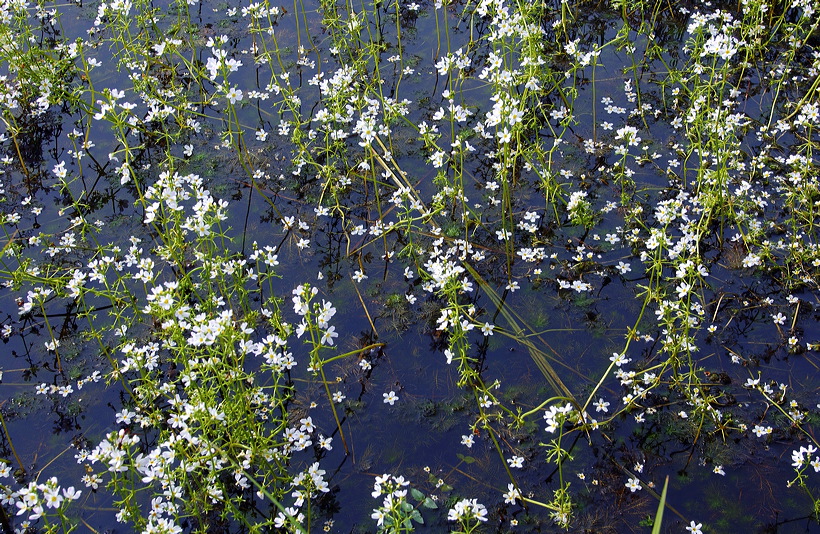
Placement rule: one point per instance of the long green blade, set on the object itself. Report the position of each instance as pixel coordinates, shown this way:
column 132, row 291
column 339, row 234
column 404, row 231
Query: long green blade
column 656, row 527
column 538, row 356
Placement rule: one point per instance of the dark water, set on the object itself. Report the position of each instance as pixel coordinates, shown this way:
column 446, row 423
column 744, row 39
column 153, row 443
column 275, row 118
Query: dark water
column 420, row 435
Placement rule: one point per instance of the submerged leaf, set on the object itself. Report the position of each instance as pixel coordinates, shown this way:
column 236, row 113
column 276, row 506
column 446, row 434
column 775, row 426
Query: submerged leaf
column 429, row 503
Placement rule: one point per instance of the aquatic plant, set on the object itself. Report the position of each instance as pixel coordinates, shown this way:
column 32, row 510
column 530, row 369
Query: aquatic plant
column 401, row 161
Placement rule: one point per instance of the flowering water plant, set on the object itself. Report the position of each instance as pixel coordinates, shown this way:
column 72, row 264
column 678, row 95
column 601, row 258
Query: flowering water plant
column 228, row 227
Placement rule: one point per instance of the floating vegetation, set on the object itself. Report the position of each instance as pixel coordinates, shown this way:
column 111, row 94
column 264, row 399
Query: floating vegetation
column 397, row 265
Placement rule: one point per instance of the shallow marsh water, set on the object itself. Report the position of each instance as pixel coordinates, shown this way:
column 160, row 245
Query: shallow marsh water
column 659, row 205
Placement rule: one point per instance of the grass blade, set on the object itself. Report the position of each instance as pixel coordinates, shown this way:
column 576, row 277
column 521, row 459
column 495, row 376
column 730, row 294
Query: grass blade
column 656, row 526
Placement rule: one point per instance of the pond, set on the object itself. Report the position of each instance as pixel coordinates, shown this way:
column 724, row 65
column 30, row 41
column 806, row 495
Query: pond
column 466, row 266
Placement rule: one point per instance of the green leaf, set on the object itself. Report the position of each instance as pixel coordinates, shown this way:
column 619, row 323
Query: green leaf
column 419, row 496
column 656, row 529
column 416, row 516
column 429, row 503
column 406, row 507
column 465, row 459
column 647, row 521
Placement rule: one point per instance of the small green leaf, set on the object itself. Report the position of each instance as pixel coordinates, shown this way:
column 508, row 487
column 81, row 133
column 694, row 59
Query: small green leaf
column 429, row 503
column 416, row 516
column 406, row 507
column 466, row 459
column 419, row 496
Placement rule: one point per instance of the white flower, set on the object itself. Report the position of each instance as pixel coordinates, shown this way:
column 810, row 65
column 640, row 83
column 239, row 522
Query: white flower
column 390, row 398
column 751, row 382
column 623, row 268
column 59, row 170
column 633, row 484
column 71, row 494
column 52, row 497
column 329, row 334
column 512, row 494
column 619, row 359
column 752, row 260
column 233, row 95
column 378, row 515
column 467, row 508
column 761, row 431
